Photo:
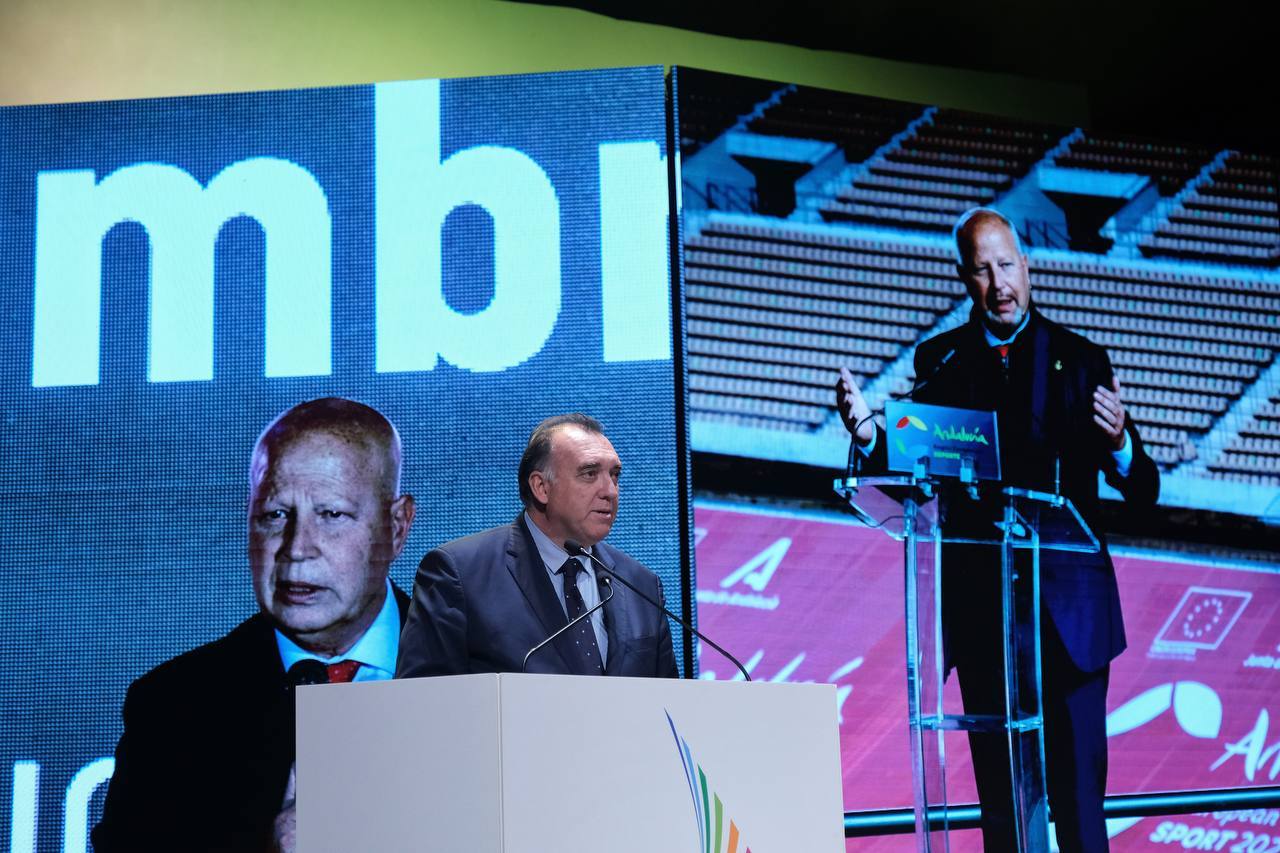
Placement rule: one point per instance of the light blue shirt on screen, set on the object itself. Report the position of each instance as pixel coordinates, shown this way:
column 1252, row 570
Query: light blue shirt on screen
column 376, row 649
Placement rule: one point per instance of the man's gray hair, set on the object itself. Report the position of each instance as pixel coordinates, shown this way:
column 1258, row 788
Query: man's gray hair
column 984, row 212
column 537, row 453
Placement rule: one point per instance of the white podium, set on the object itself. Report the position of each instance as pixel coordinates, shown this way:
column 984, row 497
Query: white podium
column 568, row 764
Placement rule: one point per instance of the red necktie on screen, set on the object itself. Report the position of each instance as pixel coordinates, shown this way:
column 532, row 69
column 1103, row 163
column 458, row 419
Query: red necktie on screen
column 342, row 671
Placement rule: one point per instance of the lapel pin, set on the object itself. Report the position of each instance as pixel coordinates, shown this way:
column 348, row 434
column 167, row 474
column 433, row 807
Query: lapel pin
column 1057, row 365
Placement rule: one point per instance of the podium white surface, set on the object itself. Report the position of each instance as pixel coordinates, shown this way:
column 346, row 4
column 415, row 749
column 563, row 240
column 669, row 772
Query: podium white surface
column 559, row 764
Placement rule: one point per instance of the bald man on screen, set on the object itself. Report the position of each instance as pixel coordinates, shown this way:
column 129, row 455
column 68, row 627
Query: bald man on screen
column 206, row 759
column 1061, row 420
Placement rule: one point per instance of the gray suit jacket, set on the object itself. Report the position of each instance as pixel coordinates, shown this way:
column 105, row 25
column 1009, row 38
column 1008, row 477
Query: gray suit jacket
column 480, row 603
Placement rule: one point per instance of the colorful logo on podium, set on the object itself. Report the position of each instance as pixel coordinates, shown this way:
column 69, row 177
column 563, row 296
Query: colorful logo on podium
column 713, row 835
column 908, row 422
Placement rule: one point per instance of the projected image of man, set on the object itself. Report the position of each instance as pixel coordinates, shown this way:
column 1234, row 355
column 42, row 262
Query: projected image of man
column 206, row 758
column 1061, row 422
column 483, row 602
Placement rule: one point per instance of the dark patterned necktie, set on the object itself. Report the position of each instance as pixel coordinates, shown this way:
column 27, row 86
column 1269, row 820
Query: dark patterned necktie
column 583, row 635
column 342, row 671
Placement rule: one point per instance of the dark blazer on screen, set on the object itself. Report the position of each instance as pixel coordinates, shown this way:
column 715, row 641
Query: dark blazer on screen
column 207, row 747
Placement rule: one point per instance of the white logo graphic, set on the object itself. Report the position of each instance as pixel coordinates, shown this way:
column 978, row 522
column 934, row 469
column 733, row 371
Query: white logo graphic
column 1254, row 750
column 843, row 688
column 755, row 573
column 415, row 188
column 75, row 804
column 1198, row 710
column 1257, row 661
column 1196, row 707
column 1201, row 620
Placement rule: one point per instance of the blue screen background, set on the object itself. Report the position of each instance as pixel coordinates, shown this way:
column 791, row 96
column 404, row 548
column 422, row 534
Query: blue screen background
column 124, row 535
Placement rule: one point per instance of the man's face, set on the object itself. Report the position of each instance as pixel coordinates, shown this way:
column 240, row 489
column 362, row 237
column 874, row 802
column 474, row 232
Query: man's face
column 581, row 495
column 995, row 273
column 321, row 536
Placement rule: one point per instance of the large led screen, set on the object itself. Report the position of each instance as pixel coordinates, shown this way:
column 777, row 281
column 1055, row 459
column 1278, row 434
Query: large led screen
column 467, row 256
column 816, row 234
column 814, row 596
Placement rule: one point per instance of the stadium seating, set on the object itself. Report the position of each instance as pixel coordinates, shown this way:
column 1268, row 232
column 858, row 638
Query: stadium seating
column 1232, row 217
column 1253, row 456
column 856, row 123
column 711, row 103
column 775, row 306
column 951, row 162
column 774, row 310
column 1170, row 164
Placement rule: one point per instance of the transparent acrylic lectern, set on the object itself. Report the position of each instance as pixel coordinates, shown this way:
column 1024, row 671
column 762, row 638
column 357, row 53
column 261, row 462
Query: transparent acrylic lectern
column 915, row 509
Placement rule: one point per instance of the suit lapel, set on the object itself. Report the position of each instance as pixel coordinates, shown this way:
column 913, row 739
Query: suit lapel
column 525, row 565
column 976, row 355
column 255, row 644
column 1042, row 378
column 402, row 603
column 617, row 622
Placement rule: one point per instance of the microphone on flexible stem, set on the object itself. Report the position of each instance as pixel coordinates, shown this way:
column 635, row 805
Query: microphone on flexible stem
column 576, row 550
column 919, row 386
column 855, row 462
column 574, row 621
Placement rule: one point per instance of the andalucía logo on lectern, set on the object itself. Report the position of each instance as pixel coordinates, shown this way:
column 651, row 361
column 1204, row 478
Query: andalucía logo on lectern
column 713, row 836
column 916, row 449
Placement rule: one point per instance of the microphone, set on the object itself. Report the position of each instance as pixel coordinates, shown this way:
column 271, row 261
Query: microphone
column 919, row 386
column 576, row 550
column 307, row 671
column 855, row 461
column 574, row 621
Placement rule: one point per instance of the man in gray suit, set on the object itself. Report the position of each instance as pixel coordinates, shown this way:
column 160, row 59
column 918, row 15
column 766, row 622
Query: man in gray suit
column 481, row 603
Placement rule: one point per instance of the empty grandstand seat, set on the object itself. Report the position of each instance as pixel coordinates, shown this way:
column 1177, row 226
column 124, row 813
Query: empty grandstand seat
column 950, row 162
column 775, row 309
column 1234, row 216
column 857, row 123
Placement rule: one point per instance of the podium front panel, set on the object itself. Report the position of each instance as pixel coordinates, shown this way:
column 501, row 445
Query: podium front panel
column 535, row 763
column 636, row 765
column 399, row 766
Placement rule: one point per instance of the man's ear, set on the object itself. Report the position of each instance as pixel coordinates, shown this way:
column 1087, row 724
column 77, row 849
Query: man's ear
column 403, row 510
column 539, row 487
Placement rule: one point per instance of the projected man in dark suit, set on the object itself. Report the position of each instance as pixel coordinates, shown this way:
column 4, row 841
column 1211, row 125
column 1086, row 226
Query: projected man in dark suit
column 206, row 759
column 1060, row 414
column 481, row 603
